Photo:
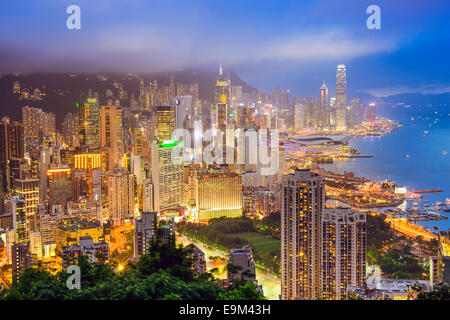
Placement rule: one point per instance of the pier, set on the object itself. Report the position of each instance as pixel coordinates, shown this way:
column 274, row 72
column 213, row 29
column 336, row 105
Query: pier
column 427, row 191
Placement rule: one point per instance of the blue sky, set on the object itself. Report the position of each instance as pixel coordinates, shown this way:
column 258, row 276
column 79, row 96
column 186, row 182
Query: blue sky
column 296, row 44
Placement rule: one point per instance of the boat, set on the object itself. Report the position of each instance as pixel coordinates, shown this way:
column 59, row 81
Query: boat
column 446, row 210
column 436, row 228
column 447, row 201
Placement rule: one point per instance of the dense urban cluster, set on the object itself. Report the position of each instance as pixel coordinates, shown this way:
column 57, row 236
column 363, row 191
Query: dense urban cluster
column 125, row 178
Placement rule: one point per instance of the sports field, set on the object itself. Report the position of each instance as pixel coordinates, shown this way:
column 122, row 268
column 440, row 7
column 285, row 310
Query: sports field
column 260, row 242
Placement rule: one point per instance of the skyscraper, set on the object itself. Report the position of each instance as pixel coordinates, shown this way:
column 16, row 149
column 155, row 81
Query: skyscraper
column 11, row 144
column 28, row 189
column 324, row 106
column 302, row 205
column 165, row 122
column 299, row 115
column 343, row 252
column 111, row 133
column 341, row 96
column 89, row 127
column 121, row 195
column 59, row 186
column 32, row 122
column 167, row 175
column 371, row 113
column 222, row 100
column 21, row 260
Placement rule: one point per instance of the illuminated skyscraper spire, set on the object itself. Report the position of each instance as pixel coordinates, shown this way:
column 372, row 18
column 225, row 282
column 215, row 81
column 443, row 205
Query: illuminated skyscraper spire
column 220, row 70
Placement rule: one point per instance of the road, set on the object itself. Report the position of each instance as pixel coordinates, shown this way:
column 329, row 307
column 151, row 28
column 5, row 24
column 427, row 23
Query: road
column 118, row 240
column 413, row 231
column 271, row 284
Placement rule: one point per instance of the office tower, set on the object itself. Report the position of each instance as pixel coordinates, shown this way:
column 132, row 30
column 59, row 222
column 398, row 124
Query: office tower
column 171, row 91
column 15, row 208
column 236, row 95
column 167, row 175
column 302, row 205
column 89, row 126
column 443, row 257
column 96, row 252
column 341, row 96
column 166, row 230
column 183, row 112
column 165, row 122
column 16, row 168
column 2, row 197
column 59, row 186
column 32, row 123
column 86, row 161
column 299, row 116
column 138, row 144
column 21, row 260
column 343, row 252
column 355, row 115
column 333, row 112
column 145, row 232
column 70, row 129
column 79, row 184
column 241, row 264
column 11, row 144
column 111, row 132
column 198, row 259
column 49, row 125
column 222, row 100
column 323, row 106
column 36, row 245
column 218, row 195
column 28, row 190
column 371, row 113
column 147, row 196
column 121, row 195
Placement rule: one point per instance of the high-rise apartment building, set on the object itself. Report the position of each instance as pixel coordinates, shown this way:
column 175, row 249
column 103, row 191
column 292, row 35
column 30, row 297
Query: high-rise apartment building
column 302, row 205
column 343, row 252
column 443, row 257
column 32, row 123
column 21, row 260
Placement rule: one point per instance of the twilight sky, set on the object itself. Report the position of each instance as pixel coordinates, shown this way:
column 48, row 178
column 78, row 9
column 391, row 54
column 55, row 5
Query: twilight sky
column 296, row 44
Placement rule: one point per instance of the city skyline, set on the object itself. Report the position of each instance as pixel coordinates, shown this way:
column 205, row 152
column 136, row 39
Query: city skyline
column 224, row 151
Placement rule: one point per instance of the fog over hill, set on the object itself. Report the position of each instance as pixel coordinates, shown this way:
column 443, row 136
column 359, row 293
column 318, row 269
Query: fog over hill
column 63, row 91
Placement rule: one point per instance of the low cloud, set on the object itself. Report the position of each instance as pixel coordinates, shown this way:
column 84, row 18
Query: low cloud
column 394, row 90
